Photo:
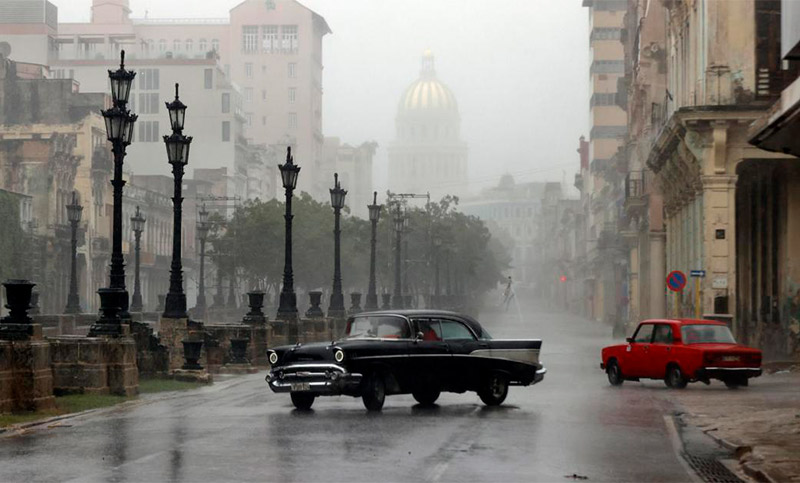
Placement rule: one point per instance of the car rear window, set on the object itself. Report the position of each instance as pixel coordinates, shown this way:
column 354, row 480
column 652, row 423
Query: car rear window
column 706, row 333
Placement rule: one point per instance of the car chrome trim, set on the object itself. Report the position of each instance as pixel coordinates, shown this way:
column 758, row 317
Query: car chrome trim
column 530, row 356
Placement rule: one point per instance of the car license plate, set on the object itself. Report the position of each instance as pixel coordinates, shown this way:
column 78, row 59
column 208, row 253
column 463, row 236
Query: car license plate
column 300, row 386
column 731, row 358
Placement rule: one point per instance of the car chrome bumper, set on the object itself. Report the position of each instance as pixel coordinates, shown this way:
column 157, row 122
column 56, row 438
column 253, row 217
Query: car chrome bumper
column 322, row 379
column 727, row 372
column 539, row 376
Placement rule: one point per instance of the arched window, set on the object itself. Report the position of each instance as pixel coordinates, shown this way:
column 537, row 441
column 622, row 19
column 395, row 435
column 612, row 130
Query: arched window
column 162, row 45
column 202, row 45
column 176, row 45
column 215, row 44
column 189, row 45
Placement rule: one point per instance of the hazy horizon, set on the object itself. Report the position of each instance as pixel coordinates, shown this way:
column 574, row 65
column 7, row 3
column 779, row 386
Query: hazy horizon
column 516, row 93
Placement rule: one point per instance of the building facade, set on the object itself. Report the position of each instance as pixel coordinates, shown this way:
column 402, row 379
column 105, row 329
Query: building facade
column 428, row 155
column 354, row 165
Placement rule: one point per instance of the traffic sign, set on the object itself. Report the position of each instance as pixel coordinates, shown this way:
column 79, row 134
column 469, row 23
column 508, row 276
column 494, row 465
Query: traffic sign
column 697, row 273
column 676, row 280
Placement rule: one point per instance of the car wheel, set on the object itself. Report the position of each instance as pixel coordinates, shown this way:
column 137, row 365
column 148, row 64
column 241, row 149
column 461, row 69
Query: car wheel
column 426, row 395
column 374, row 392
column 614, row 374
column 495, row 389
column 675, row 378
column 303, row 400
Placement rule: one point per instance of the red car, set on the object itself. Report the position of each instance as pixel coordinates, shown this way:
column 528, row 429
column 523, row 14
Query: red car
column 679, row 352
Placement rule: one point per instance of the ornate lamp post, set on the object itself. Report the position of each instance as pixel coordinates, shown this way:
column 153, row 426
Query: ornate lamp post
column 336, row 306
column 119, row 131
column 287, row 309
column 374, row 217
column 74, row 211
column 202, row 234
column 137, row 224
column 178, row 154
column 437, row 243
column 399, row 222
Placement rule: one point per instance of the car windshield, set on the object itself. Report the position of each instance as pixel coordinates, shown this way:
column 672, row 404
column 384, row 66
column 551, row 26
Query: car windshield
column 706, row 333
column 382, row 326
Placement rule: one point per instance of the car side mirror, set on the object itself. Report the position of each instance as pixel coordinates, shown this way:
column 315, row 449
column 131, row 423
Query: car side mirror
column 629, row 340
column 419, row 336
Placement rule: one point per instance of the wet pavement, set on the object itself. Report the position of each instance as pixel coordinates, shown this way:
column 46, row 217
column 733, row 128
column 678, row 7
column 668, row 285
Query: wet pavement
column 573, row 423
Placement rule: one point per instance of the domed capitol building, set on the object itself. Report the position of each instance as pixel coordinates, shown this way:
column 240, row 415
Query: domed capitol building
column 428, row 154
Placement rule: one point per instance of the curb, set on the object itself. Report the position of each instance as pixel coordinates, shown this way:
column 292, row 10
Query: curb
column 740, row 450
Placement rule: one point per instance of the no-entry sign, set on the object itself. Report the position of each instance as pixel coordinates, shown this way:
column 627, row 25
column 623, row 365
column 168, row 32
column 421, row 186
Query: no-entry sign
column 676, row 280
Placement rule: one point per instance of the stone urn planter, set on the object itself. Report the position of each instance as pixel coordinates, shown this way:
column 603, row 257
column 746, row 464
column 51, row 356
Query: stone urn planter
column 386, row 299
column 239, row 351
column 315, row 310
column 355, row 302
column 191, row 354
column 17, row 325
column 255, row 300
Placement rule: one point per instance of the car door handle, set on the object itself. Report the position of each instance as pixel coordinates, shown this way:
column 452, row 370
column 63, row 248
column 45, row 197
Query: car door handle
column 483, row 345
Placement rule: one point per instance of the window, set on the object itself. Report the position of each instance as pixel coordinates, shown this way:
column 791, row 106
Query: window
column 706, row 333
column 248, row 94
column 644, row 334
column 176, row 45
column 607, row 67
column 248, row 69
column 602, row 33
column 603, row 99
column 269, row 38
column 150, row 46
column 292, row 95
column 148, row 131
column 608, row 132
column 292, row 70
column 148, row 103
column 226, row 131
column 189, row 45
column 202, row 45
column 388, row 327
column 209, row 78
column 662, row 334
column 226, row 102
column 162, row 45
column 430, row 329
column 289, row 40
column 292, row 120
column 249, row 38
column 263, row 94
column 215, row 44
column 148, row 79
column 452, row 330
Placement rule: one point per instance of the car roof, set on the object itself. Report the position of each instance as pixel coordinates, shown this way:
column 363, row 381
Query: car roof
column 472, row 323
column 683, row 321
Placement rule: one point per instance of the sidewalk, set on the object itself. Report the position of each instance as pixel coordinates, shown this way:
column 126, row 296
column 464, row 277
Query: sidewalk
column 761, row 423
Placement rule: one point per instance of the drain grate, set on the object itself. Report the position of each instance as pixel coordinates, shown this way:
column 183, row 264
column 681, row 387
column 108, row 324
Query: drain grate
column 710, row 470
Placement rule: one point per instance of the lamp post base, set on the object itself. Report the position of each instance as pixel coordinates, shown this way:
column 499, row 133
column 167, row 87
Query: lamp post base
column 287, row 310
column 110, row 322
column 175, row 306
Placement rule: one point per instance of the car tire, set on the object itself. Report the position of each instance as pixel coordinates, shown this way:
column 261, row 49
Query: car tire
column 494, row 390
column 302, row 400
column 614, row 374
column 674, row 378
column 374, row 393
column 426, row 395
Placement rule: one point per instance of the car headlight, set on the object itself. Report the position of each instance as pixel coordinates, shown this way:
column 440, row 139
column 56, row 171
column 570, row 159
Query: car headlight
column 338, row 355
column 273, row 357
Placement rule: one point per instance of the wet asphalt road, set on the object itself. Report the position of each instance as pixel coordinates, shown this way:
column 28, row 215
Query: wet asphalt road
column 571, row 423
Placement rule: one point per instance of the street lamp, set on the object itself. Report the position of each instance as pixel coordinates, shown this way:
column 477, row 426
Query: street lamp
column 437, row 243
column 119, row 122
column 399, row 222
column 374, row 217
column 137, row 225
column 178, row 154
column 74, row 211
column 287, row 309
column 202, row 234
column 336, row 306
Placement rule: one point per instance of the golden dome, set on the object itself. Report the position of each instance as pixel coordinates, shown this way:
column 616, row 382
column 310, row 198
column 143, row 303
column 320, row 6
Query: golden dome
column 427, row 92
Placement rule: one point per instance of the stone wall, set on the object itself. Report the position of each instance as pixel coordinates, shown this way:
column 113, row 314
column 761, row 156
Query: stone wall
column 26, row 380
column 94, row 365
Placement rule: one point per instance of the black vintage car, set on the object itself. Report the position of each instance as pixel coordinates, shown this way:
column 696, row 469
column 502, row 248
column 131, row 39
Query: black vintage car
column 422, row 352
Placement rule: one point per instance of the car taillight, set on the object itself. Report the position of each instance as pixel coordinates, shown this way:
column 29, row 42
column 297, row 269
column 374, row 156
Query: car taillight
column 754, row 358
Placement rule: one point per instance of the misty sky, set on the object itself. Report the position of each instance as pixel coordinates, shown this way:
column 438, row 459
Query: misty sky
column 519, row 69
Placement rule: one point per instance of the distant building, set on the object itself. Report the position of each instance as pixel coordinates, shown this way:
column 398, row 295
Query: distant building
column 511, row 211
column 428, row 154
column 354, row 165
column 253, row 79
